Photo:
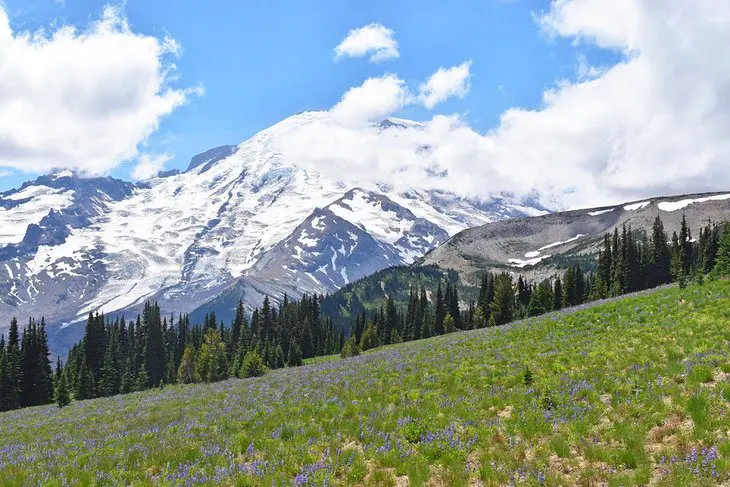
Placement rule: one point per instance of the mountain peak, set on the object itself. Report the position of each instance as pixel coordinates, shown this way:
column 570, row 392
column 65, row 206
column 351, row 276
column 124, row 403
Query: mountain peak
column 211, row 156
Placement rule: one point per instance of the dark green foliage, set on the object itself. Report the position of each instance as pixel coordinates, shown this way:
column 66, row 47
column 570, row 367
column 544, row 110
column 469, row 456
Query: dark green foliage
column 722, row 266
column 528, row 378
column 154, row 345
column 503, row 304
column 542, row 299
column 61, row 395
column 294, row 358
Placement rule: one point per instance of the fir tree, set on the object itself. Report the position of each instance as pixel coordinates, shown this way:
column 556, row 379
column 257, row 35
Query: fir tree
column 62, row 395
column 449, row 325
column 440, row 313
column 294, row 357
column 502, row 307
column 722, row 266
column 369, row 338
column 154, row 345
column 351, row 348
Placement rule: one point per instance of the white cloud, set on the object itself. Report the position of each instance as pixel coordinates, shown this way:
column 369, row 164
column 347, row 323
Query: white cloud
column 376, row 98
column 149, row 165
column 654, row 123
column 375, row 40
column 82, row 99
column 445, row 83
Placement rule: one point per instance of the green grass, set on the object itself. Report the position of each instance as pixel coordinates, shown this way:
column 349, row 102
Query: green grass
column 627, row 392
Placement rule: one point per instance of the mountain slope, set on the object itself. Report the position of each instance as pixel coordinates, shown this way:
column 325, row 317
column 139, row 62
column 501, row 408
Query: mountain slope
column 240, row 221
column 535, row 247
column 452, row 410
column 538, row 246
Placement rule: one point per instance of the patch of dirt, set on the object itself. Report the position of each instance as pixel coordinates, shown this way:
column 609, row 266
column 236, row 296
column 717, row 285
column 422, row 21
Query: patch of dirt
column 402, row 481
column 667, row 435
column 389, row 474
column 436, row 479
column 506, row 413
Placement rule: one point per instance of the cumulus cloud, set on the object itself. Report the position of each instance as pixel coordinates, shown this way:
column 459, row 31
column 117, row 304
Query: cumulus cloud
column 149, row 165
column 654, row 123
column 82, row 99
column 375, row 40
column 445, row 83
column 374, row 99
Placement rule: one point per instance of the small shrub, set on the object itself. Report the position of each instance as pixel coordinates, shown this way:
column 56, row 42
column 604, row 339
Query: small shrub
column 252, row 366
column 528, row 378
column 350, row 348
column 413, row 431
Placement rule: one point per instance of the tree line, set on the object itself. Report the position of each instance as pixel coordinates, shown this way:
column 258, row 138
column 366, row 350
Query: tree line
column 628, row 261
column 118, row 356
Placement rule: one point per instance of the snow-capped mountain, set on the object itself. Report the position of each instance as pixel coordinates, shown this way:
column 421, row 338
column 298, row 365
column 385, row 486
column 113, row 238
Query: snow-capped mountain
column 239, row 218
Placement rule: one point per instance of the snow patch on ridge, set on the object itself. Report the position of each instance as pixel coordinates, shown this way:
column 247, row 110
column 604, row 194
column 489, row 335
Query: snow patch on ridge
column 637, row 206
column 529, row 262
column 601, row 212
column 678, row 205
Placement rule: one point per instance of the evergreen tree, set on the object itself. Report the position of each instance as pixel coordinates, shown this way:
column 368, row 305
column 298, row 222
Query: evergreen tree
column 369, row 338
column 84, row 382
column 558, row 294
column 351, row 348
column 62, row 395
column 449, row 325
column 143, row 379
column 212, row 364
column 294, row 358
column 154, row 345
column 502, row 307
column 722, row 266
column 542, row 299
column 127, row 383
column 186, row 372
column 480, row 321
column 440, row 312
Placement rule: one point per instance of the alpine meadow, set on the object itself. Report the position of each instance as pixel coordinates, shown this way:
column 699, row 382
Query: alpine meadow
column 386, row 244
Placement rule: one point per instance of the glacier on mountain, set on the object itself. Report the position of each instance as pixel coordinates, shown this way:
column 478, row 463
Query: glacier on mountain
column 241, row 221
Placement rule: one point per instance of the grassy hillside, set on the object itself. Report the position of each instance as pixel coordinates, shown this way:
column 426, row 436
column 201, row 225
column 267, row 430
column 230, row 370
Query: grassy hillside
column 628, row 392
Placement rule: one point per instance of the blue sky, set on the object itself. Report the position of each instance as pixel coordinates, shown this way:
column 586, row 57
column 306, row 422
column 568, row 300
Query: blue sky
column 260, row 62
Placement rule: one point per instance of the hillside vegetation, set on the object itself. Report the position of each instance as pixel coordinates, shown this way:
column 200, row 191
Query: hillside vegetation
column 631, row 391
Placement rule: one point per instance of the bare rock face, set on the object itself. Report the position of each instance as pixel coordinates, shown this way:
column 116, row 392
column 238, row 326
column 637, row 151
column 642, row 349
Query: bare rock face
column 539, row 246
